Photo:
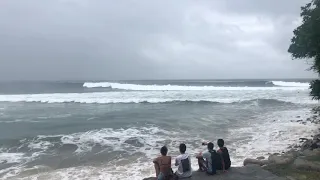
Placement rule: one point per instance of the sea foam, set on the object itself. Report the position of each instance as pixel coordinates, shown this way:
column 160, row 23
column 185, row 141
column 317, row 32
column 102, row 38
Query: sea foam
column 138, row 87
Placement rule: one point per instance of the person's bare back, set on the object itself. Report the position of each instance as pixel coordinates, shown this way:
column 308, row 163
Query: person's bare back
column 164, row 163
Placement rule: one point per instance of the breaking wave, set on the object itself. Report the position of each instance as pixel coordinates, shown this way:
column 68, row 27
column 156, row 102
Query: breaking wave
column 279, row 85
column 155, row 97
column 290, row 84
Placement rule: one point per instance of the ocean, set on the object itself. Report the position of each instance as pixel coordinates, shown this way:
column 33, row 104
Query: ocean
column 113, row 129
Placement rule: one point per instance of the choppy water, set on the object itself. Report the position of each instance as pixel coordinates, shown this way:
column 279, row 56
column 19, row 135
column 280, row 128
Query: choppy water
column 112, row 130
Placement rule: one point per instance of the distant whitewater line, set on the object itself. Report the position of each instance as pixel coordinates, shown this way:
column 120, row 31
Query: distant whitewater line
column 290, row 84
column 279, row 85
column 115, row 98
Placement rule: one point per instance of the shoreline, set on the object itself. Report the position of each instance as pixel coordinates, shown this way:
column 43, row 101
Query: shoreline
column 299, row 161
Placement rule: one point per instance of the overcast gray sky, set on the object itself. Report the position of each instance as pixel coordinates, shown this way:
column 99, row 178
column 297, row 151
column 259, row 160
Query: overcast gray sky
column 148, row 39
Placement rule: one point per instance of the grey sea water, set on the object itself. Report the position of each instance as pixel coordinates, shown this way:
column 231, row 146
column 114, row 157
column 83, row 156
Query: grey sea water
column 112, row 130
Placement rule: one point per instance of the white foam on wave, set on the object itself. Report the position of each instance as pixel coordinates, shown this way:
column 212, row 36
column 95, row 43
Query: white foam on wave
column 269, row 135
column 161, row 97
column 138, row 87
column 290, row 84
column 10, row 157
column 115, row 139
column 120, row 140
column 276, row 132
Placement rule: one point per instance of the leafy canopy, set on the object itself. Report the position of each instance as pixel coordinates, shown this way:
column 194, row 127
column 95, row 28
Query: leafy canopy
column 306, row 41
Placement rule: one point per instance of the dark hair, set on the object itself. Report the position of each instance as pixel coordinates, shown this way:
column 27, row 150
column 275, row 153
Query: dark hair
column 210, row 146
column 182, row 148
column 220, row 142
column 164, row 150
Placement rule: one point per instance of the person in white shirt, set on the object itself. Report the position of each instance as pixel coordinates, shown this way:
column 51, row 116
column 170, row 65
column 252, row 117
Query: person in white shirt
column 183, row 162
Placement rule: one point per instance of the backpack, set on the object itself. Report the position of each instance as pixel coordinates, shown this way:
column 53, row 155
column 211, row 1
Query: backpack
column 185, row 165
column 226, row 157
column 216, row 161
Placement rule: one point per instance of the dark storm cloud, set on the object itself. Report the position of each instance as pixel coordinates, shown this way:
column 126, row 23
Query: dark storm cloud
column 82, row 39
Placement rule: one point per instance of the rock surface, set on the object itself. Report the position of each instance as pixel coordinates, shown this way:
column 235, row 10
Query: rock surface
column 260, row 157
column 250, row 172
column 311, row 143
column 249, row 161
column 275, row 159
column 304, row 164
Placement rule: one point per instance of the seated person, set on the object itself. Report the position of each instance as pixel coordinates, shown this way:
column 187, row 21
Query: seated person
column 162, row 164
column 210, row 160
column 183, row 162
column 224, row 153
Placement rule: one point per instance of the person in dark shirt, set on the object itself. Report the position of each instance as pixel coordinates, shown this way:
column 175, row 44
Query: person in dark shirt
column 225, row 155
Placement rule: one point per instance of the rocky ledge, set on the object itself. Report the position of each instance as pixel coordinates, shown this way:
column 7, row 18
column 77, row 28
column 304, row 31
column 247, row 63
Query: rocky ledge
column 302, row 164
column 250, row 172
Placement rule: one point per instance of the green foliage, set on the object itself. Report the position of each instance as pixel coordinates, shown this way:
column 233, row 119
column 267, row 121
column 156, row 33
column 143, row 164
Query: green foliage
column 306, row 41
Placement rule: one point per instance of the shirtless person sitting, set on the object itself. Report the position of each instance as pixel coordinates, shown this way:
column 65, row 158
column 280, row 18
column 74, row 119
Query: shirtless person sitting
column 162, row 164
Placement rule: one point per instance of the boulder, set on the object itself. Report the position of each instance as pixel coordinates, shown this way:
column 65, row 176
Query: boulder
column 311, row 143
column 260, row 158
column 150, row 178
column 292, row 153
column 303, row 139
column 284, row 159
column 309, row 152
column 255, row 161
column 304, row 164
column 316, row 137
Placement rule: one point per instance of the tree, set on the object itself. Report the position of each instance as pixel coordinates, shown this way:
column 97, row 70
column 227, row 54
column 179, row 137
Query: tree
column 305, row 43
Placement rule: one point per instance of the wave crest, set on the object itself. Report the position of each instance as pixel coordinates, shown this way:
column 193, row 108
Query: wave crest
column 290, row 84
column 149, row 97
column 280, row 85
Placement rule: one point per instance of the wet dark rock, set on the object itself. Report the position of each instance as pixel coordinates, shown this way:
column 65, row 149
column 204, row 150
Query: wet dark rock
column 316, row 137
column 298, row 116
column 260, row 158
column 134, row 142
column 311, row 143
column 3, row 162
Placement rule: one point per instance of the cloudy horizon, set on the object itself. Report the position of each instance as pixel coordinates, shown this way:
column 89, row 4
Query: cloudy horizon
column 141, row 39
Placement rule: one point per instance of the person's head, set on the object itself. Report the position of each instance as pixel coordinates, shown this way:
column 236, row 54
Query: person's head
column 210, row 146
column 182, row 148
column 164, row 151
column 220, row 143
